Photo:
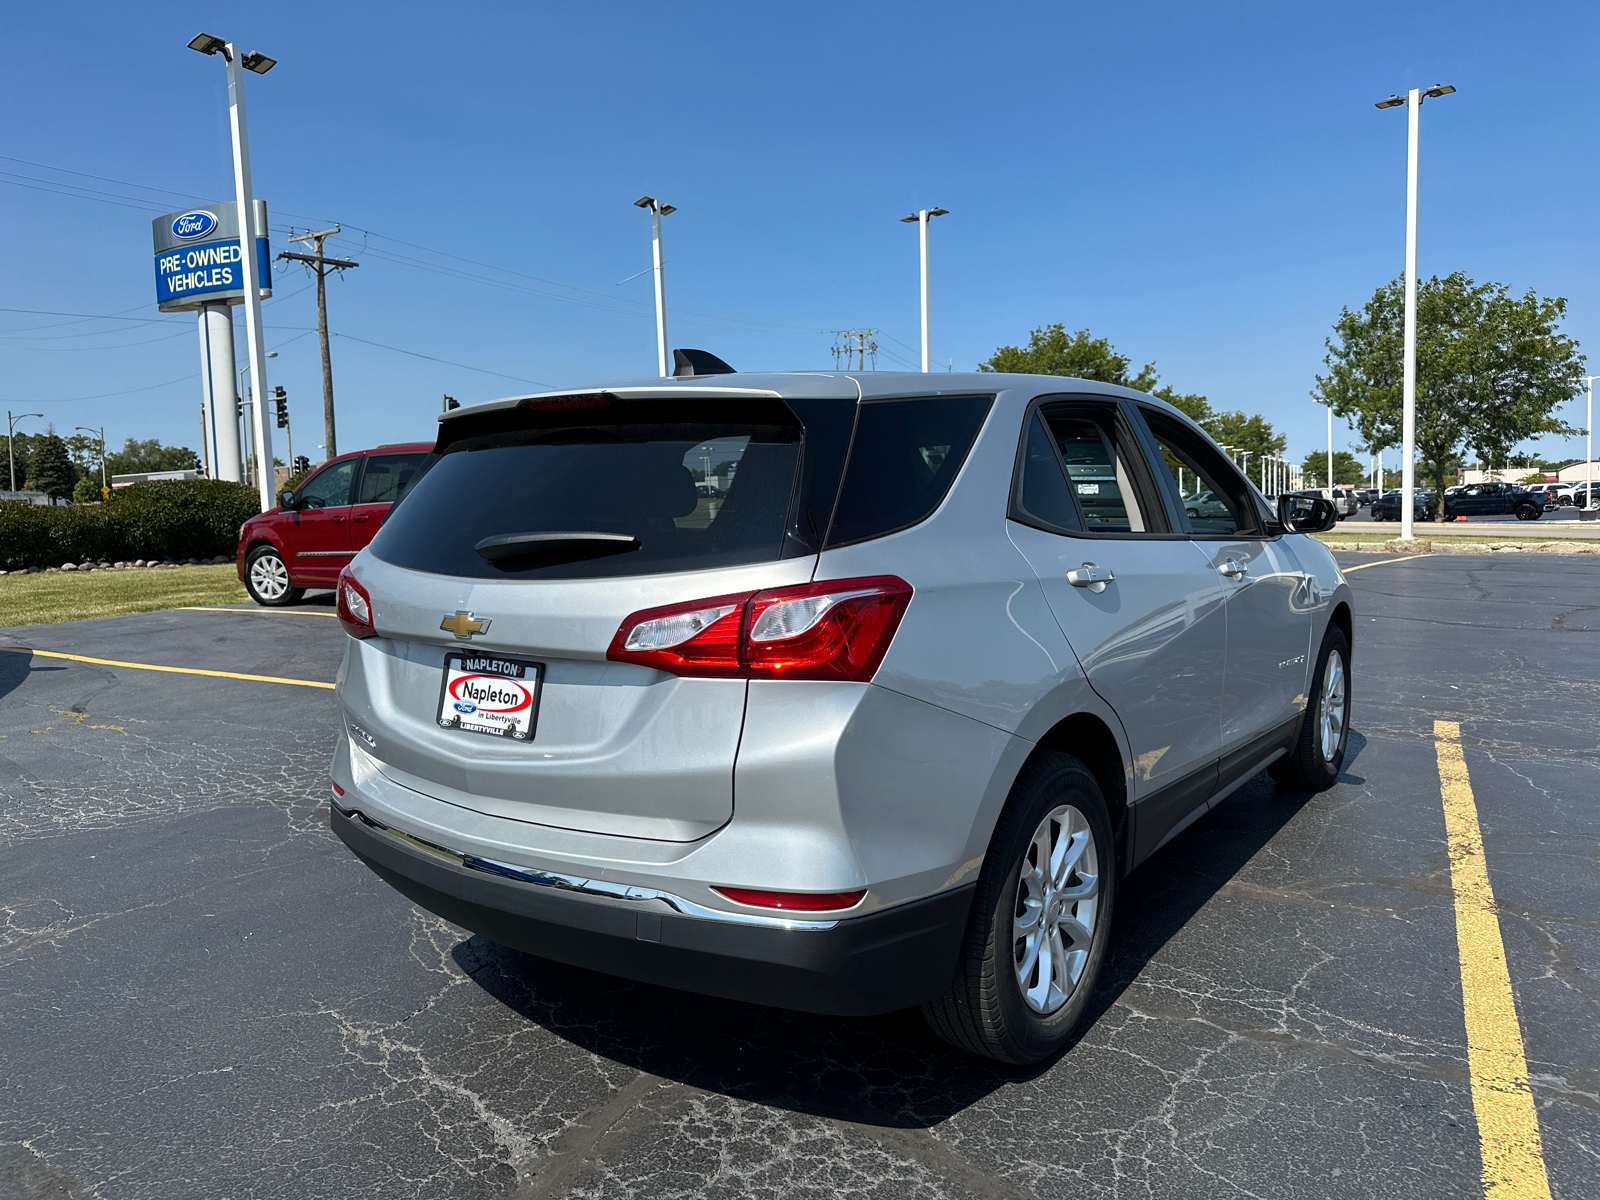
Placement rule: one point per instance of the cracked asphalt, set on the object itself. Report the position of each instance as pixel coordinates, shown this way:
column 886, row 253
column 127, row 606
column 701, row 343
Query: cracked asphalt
column 202, row 994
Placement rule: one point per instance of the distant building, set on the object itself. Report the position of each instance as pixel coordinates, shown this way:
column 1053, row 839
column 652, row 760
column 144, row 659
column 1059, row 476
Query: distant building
column 144, row 476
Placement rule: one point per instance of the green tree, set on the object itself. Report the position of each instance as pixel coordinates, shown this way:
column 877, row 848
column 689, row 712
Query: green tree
column 1249, row 433
column 1491, row 370
column 51, row 468
column 1051, row 350
column 137, row 457
column 1346, row 468
column 86, row 490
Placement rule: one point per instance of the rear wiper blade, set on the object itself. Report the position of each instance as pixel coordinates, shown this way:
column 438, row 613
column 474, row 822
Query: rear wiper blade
column 569, row 544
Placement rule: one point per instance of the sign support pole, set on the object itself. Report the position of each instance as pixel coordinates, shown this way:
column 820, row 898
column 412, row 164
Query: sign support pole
column 217, row 378
column 249, row 269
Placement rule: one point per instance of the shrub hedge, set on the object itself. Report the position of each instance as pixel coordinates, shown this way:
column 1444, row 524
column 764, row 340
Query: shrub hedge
column 172, row 518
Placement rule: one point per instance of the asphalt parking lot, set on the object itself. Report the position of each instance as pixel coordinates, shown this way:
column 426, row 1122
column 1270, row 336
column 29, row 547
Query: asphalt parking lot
column 203, row 994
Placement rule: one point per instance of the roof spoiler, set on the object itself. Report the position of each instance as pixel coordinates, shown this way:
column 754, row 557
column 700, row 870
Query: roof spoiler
column 686, row 364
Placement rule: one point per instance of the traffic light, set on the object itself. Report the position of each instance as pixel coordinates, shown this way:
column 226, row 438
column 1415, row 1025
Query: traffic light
column 281, row 399
column 302, row 464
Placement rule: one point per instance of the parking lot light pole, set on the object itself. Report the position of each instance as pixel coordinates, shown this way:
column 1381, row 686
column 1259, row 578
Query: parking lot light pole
column 11, row 432
column 657, row 211
column 922, row 216
column 1408, row 477
column 1588, row 446
column 239, row 61
column 105, row 489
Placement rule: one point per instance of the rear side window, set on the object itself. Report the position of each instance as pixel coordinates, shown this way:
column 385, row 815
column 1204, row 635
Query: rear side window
column 688, row 484
column 903, row 458
column 386, row 474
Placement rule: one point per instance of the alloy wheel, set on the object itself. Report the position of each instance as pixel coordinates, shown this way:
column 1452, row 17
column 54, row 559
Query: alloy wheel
column 269, row 577
column 1331, row 714
column 1058, row 900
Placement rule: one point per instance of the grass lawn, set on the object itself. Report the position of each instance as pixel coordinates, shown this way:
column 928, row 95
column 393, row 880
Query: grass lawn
column 70, row 596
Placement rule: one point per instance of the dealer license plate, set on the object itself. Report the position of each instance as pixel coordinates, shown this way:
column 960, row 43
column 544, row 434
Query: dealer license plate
column 485, row 693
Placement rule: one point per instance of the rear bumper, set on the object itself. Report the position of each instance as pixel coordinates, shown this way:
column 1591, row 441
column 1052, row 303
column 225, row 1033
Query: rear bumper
column 890, row 959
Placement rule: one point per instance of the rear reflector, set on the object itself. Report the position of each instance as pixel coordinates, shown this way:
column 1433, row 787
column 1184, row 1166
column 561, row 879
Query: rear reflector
column 337, row 790
column 794, row 901
column 839, row 629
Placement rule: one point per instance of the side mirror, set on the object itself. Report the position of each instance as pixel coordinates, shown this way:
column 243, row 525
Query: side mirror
column 286, row 501
column 1306, row 514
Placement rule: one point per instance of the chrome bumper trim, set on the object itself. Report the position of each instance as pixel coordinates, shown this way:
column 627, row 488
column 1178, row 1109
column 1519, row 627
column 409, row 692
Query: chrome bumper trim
column 598, row 888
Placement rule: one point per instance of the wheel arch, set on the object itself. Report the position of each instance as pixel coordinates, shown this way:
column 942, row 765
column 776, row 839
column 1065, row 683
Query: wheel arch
column 1087, row 736
column 1344, row 619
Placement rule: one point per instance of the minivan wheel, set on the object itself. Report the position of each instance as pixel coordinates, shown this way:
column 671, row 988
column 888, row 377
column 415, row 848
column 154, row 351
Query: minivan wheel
column 1318, row 753
column 266, row 578
column 1041, row 917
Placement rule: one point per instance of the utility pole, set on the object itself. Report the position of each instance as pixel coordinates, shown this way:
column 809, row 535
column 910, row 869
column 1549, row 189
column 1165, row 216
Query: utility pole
column 858, row 343
column 11, row 432
column 322, row 264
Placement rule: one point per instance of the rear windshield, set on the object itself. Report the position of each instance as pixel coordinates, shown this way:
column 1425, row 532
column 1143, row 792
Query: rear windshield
column 695, row 484
column 672, row 485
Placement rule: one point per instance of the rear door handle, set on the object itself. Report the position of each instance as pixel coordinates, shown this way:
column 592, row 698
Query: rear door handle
column 1090, row 576
column 1233, row 569
column 336, row 521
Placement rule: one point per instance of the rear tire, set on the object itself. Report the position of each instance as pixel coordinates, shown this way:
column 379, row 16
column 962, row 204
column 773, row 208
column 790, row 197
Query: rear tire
column 1314, row 762
column 1527, row 512
column 266, row 578
column 1036, row 938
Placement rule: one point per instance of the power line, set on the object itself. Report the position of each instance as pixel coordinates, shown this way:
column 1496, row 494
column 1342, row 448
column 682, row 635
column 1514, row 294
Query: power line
column 445, row 361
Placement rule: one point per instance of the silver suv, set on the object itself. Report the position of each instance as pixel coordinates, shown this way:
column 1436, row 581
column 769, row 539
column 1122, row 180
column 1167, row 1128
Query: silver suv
column 837, row 693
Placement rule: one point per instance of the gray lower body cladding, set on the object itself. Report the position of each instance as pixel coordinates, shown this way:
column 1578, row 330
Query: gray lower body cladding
column 891, row 959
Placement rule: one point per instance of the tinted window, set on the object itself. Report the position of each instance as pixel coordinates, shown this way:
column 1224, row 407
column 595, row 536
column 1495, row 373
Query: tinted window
column 699, row 483
column 1210, row 499
column 1099, row 477
column 1043, row 494
column 903, row 457
column 386, row 474
column 329, row 487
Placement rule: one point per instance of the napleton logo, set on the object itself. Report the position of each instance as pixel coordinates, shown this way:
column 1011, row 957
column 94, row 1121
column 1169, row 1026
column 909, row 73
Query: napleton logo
column 463, row 624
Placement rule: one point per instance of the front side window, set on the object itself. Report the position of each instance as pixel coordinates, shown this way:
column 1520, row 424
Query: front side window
column 329, row 487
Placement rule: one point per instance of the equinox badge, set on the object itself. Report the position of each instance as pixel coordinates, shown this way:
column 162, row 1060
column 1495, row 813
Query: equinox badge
column 463, row 624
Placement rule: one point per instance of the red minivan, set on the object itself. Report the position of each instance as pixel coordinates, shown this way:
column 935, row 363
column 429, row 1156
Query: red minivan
column 326, row 521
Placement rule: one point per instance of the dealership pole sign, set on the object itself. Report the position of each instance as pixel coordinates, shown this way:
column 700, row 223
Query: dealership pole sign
column 197, row 256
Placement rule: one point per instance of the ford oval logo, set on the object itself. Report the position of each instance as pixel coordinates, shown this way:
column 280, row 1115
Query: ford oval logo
column 194, row 224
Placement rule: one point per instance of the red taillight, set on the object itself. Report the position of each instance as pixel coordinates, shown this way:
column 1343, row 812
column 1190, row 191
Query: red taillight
column 794, row 901
column 839, row 629
column 354, row 607
column 337, row 790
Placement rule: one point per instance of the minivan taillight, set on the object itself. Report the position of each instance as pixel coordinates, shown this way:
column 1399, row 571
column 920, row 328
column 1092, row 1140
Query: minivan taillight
column 839, row 629
column 354, row 607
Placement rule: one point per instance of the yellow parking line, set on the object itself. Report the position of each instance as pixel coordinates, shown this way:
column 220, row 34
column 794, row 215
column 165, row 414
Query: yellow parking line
column 271, row 612
column 111, row 662
column 1383, row 562
column 1508, row 1127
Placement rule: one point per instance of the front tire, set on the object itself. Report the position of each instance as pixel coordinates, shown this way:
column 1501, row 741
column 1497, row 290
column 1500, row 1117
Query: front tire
column 266, row 578
column 1041, row 919
column 1314, row 762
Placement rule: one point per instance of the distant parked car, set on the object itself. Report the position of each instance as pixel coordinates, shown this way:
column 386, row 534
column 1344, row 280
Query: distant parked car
column 322, row 524
column 1343, row 499
column 1204, row 503
column 1387, row 506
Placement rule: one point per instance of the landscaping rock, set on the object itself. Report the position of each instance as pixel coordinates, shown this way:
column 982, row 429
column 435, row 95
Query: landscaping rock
column 119, row 565
column 1408, row 546
column 69, row 566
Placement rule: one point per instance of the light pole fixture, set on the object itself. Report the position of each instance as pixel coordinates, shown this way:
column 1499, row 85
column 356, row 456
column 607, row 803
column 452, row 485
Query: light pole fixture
column 657, row 211
column 1408, row 436
column 105, row 489
column 11, row 432
column 922, row 216
column 238, row 61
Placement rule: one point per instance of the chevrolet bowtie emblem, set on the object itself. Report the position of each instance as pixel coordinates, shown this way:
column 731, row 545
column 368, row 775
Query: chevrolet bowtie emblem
column 463, row 624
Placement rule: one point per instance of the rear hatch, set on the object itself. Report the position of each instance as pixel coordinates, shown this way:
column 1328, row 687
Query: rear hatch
column 501, row 577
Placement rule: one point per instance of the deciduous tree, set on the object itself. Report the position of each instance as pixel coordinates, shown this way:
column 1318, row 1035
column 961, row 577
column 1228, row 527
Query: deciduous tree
column 1491, row 370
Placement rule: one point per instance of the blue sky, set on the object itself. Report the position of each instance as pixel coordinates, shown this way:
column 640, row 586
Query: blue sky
column 1204, row 185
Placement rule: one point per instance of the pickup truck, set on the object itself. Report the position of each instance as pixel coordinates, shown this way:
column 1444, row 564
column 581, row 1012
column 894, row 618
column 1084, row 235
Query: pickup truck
column 1488, row 499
